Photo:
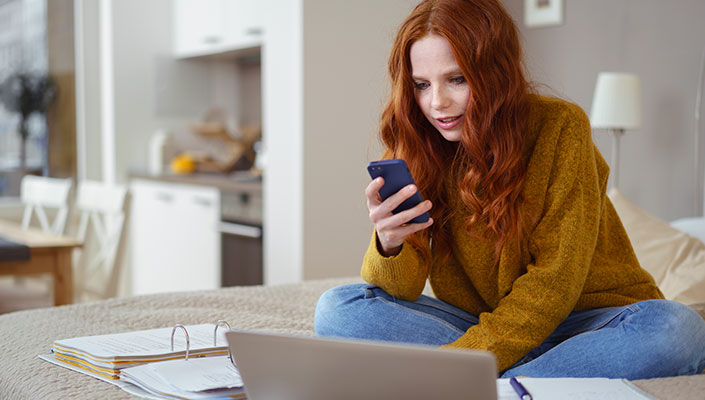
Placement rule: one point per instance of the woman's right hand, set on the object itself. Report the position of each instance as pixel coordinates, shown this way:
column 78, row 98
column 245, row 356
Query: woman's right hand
column 392, row 229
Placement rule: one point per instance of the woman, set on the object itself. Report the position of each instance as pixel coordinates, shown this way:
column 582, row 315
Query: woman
column 525, row 253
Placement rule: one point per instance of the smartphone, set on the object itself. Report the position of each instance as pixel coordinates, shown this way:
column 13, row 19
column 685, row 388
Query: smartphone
column 396, row 176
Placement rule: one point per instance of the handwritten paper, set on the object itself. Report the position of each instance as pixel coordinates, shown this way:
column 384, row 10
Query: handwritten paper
column 573, row 388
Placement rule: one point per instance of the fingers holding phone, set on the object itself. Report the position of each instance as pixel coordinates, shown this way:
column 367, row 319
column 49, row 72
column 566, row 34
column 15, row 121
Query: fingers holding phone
column 395, row 205
column 384, row 213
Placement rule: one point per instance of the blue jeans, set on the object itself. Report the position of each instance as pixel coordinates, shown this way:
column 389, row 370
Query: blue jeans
column 648, row 339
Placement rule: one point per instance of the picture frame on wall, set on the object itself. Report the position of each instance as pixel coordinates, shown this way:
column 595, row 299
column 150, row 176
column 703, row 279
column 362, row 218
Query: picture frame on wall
column 541, row 13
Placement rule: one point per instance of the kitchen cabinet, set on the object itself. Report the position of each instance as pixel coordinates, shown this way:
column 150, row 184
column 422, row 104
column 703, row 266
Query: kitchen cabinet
column 174, row 235
column 206, row 27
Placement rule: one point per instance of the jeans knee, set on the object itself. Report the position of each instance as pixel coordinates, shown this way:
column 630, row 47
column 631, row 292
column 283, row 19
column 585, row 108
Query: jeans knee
column 675, row 318
column 680, row 336
column 331, row 307
column 692, row 329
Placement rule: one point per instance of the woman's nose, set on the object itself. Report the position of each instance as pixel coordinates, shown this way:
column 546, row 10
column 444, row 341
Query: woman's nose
column 440, row 98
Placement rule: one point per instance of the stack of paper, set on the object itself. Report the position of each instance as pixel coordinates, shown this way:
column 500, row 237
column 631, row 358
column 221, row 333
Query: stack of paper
column 106, row 355
column 200, row 378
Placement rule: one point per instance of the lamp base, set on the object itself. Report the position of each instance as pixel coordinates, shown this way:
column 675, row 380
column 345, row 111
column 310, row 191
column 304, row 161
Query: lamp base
column 616, row 135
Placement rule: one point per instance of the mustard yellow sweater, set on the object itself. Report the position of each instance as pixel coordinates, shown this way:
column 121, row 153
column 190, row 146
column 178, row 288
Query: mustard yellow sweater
column 577, row 256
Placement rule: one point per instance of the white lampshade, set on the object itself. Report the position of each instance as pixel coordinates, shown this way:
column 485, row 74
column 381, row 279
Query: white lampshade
column 617, row 102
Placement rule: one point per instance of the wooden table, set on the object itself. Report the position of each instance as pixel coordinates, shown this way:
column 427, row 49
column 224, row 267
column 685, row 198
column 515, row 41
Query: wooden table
column 49, row 254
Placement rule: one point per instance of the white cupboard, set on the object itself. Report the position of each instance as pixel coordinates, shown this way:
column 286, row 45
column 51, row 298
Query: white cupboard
column 174, row 237
column 205, row 27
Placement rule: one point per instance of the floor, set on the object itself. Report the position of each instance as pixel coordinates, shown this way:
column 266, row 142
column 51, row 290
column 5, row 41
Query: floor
column 25, row 295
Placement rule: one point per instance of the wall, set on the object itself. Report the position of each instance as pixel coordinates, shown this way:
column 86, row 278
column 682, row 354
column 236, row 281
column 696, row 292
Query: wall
column 346, row 47
column 662, row 42
column 324, row 83
column 87, row 49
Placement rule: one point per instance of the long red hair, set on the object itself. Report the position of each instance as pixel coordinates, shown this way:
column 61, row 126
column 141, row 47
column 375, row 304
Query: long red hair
column 486, row 165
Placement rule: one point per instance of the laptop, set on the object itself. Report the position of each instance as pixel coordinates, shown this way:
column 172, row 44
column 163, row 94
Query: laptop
column 276, row 366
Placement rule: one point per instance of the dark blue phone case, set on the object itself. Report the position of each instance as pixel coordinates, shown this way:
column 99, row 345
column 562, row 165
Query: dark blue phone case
column 396, row 176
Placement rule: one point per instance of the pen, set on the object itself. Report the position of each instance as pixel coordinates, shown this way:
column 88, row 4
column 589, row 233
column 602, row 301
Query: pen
column 520, row 389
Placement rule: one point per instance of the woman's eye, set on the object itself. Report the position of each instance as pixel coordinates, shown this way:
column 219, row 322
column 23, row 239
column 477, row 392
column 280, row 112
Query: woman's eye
column 420, row 85
column 458, row 79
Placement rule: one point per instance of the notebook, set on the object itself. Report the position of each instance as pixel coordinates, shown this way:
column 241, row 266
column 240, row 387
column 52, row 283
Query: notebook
column 296, row 368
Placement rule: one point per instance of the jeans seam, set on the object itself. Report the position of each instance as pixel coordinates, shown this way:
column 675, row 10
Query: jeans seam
column 447, row 310
column 444, row 322
column 605, row 323
column 422, row 300
column 633, row 307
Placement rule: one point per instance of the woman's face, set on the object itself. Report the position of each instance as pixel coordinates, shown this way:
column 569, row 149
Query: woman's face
column 441, row 90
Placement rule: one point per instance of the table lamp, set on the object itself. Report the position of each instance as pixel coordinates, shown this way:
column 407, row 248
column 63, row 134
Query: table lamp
column 616, row 107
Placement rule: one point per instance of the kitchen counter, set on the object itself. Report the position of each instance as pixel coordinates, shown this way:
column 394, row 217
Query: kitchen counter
column 240, row 192
column 240, row 181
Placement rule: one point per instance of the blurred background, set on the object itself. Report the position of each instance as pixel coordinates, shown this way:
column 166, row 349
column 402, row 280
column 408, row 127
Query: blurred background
column 242, row 128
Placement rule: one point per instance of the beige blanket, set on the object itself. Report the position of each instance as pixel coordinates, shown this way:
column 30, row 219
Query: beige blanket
column 288, row 309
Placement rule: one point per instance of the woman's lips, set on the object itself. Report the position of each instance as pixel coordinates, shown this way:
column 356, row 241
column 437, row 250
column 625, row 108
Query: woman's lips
column 449, row 122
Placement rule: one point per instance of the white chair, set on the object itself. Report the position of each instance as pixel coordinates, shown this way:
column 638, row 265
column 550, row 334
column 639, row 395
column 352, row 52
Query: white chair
column 39, row 193
column 101, row 207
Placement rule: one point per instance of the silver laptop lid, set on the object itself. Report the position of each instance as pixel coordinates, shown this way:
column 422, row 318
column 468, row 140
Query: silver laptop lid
column 311, row 368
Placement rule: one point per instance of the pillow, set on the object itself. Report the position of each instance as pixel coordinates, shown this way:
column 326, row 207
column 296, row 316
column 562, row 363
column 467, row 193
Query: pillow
column 675, row 259
column 694, row 227
column 699, row 308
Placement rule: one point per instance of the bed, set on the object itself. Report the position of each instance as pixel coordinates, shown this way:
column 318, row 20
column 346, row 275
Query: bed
column 675, row 258
column 284, row 309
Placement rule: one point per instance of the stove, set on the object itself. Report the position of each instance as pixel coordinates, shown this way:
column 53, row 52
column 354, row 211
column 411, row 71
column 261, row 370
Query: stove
column 241, row 235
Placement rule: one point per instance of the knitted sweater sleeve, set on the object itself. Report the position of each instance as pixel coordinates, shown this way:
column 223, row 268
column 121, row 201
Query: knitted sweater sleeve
column 403, row 276
column 561, row 244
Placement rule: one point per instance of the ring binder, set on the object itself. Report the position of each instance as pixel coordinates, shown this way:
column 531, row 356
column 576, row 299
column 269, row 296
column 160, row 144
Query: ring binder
column 108, row 356
column 215, row 331
column 188, row 341
column 215, row 338
column 142, row 358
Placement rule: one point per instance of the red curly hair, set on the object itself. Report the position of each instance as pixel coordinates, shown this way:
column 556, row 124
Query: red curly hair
column 486, row 164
